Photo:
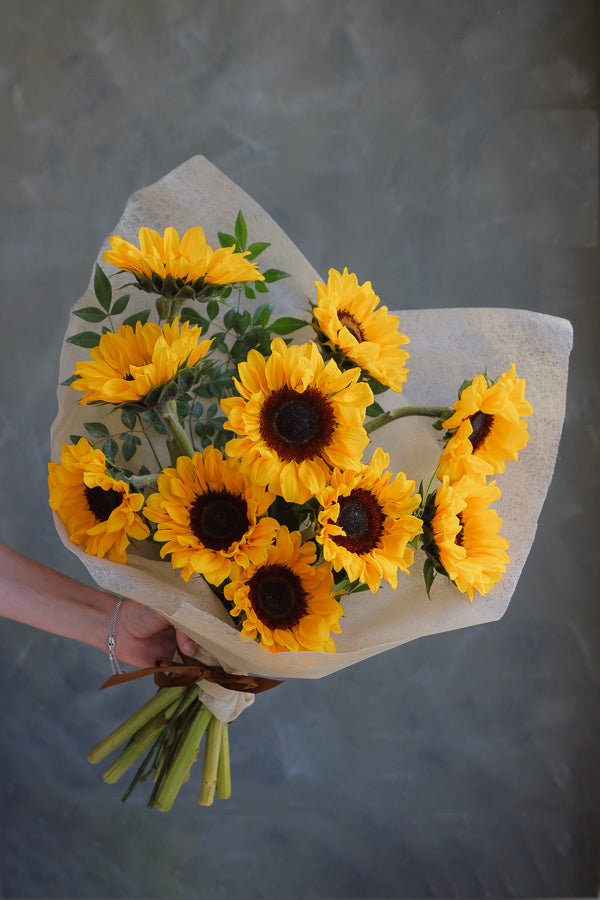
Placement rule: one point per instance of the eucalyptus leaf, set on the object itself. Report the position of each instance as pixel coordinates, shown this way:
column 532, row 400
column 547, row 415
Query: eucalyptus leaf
column 249, row 293
column 212, row 309
column 261, row 287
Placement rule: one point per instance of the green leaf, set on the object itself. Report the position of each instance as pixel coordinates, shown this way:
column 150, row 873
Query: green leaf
column 271, row 275
column 211, row 411
column 226, row 240
column 226, row 293
column 90, row 314
column 286, row 325
column 110, row 448
column 102, row 288
column 256, row 249
column 262, row 314
column 374, row 409
column 194, row 318
column 231, row 319
column 261, row 287
column 141, row 317
column 221, row 343
column 87, row 339
column 69, row 381
column 212, row 309
column 128, row 418
column 120, row 305
column 240, row 231
column 428, row 575
column 96, row 429
column 74, row 438
column 130, row 445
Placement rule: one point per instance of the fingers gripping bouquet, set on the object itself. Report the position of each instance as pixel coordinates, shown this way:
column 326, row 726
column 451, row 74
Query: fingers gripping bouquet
column 217, row 458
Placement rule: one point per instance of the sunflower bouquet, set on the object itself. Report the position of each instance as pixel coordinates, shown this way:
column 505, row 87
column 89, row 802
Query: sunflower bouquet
column 231, row 479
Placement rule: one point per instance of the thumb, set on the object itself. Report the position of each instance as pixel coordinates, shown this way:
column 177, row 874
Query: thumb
column 185, row 644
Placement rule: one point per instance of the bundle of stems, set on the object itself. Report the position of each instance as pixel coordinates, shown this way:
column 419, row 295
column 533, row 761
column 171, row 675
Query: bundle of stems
column 169, row 729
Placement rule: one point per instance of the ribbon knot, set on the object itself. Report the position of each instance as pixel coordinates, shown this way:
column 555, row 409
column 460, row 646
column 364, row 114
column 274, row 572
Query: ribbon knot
column 192, row 670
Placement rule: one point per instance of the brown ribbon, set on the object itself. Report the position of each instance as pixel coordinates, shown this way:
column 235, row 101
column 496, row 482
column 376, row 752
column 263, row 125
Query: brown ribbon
column 190, row 671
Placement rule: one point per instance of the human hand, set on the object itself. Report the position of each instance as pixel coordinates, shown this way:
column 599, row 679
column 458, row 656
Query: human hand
column 142, row 636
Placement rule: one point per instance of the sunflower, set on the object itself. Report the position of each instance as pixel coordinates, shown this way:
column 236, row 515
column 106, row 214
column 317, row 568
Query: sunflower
column 366, row 522
column 345, row 313
column 166, row 264
column 208, row 515
column 487, row 428
column 297, row 417
column 287, row 602
column 465, row 535
column 127, row 364
column 99, row 511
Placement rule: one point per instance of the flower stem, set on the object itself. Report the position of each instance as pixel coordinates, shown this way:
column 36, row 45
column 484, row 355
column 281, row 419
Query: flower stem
column 142, row 481
column 163, row 698
column 211, row 762
column 144, row 738
column 179, row 443
column 224, row 768
column 434, row 412
column 183, row 758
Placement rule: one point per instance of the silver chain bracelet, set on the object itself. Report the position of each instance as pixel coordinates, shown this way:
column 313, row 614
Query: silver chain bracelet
column 112, row 640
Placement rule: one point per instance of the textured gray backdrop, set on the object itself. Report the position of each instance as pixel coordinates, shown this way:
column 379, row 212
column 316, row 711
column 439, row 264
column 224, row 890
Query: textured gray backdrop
column 448, row 151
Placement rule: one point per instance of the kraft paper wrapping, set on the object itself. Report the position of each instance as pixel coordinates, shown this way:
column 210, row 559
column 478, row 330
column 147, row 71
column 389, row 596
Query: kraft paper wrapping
column 446, row 347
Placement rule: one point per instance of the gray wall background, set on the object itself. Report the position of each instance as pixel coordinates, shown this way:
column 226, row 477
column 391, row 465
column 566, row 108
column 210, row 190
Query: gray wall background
column 447, row 150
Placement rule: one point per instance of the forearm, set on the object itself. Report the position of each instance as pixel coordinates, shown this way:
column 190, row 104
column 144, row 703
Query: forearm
column 38, row 596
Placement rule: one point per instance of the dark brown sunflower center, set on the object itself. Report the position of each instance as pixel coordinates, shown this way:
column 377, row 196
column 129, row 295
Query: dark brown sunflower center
column 347, row 320
column 361, row 517
column 101, row 503
column 297, row 425
column 218, row 519
column 460, row 536
column 277, row 596
column 481, row 423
